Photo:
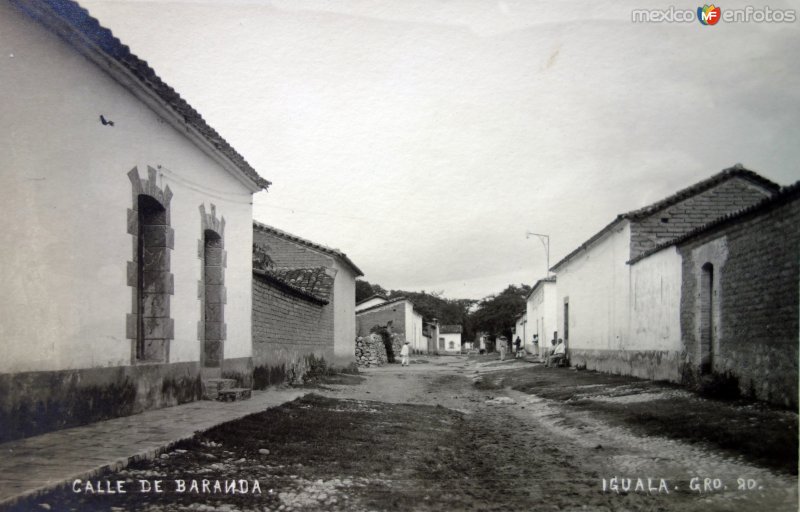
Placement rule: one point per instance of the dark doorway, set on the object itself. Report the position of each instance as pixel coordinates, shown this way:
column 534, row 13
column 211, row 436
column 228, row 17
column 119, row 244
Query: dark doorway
column 214, row 302
column 152, row 265
column 566, row 323
column 707, row 319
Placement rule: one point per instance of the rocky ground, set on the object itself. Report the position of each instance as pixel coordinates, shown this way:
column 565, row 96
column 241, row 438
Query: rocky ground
column 452, row 433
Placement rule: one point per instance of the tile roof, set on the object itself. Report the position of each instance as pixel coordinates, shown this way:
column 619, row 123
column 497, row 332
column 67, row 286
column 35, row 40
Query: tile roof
column 785, row 195
column 312, row 283
column 308, row 243
column 390, row 301
column 450, row 329
column 737, row 171
column 376, row 296
column 74, row 24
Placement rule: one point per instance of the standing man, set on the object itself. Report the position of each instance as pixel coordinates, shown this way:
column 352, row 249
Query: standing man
column 502, row 341
column 404, row 354
column 517, row 344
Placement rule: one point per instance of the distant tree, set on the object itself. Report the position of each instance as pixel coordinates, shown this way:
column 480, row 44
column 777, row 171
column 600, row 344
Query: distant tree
column 429, row 304
column 365, row 290
column 433, row 305
column 496, row 314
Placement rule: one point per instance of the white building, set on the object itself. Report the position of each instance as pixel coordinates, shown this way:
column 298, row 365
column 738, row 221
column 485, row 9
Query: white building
column 397, row 314
column 520, row 330
column 450, row 339
column 541, row 328
column 127, row 269
column 625, row 319
column 369, row 302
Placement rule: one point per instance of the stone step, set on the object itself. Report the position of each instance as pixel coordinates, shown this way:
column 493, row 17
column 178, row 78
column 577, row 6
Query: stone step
column 212, row 387
column 234, row 394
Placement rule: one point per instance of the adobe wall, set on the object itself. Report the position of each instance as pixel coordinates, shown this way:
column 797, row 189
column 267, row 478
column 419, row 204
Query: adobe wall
column 756, row 276
column 680, row 218
column 287, row 329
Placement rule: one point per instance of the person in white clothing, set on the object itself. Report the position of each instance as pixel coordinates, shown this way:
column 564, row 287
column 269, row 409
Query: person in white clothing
column 404, row 354
column 559, row 354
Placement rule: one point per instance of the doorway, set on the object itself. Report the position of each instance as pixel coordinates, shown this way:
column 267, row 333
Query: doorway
column 707, row 326
column 214, row 300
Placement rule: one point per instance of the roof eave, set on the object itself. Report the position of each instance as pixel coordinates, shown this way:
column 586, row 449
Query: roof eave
column 290, row 289
column 47, row 16
column 342, row 257
column 590, row 242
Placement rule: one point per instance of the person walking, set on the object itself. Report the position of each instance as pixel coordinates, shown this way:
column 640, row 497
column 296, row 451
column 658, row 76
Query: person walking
column 517, row 351
column 404, row 354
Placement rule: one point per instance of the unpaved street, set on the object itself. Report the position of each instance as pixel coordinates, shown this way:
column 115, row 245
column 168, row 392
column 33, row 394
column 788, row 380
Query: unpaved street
column 560, row 456
column 444, row 434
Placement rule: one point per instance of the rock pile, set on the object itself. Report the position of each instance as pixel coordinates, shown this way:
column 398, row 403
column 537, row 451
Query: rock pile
column 370, row 350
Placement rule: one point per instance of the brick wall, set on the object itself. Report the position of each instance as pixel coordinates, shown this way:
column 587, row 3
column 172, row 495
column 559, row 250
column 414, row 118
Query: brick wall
column 726, row 197
column 754, row 305
column 286, row 330
column 286, row 253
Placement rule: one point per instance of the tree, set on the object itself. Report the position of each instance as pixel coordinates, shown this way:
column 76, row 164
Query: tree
column 365, row 290
column 497, row 314
column 432, row 305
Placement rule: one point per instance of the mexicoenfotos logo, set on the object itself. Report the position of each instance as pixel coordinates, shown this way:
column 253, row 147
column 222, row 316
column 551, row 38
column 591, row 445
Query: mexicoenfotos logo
column 711, row 15
column 708, row 14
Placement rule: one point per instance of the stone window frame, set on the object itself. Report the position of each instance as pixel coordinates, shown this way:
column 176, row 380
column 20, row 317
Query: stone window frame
column 161, row 282
column 210, row 222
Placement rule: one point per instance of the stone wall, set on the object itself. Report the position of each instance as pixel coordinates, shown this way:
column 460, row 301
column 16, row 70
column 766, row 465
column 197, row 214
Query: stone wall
column 287, row 328
column 754, row 303
column 370, row 350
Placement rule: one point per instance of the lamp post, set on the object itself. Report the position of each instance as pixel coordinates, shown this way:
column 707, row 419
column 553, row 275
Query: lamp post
column 545, row 239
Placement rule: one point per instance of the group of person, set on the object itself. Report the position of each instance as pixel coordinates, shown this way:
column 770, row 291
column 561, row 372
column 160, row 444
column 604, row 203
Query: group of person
column 555, row 355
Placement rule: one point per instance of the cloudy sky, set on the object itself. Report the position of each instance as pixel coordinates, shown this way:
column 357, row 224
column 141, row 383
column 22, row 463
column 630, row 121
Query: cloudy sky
column 425, row 137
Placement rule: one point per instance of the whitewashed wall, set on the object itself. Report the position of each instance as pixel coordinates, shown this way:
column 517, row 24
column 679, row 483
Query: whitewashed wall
column 521, row 330
column 344, row 314
column 542, row 314
column 413, row 326
column 369, row 303
column 455, row 338
column 65, row 194
column 656, row 302
column 596, row 281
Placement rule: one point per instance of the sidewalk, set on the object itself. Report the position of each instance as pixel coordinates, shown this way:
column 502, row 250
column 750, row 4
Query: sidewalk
column 35, row 464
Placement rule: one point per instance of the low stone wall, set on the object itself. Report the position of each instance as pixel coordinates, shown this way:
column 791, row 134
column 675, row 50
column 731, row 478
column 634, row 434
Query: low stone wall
column 370, row 350
column 645, row 364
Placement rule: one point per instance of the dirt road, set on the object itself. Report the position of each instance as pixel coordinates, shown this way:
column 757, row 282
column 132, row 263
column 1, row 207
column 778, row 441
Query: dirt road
column 442, row 434
column 565, row 458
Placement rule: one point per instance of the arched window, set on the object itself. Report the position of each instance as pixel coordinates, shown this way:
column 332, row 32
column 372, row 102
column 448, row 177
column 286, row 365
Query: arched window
column 154, row 281
column 149, row 326
column 214, row 306
column 212, row 328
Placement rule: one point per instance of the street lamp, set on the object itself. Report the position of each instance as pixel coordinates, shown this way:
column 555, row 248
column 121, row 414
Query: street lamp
column 545, row 239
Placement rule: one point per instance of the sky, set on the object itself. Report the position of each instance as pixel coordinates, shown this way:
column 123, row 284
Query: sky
column 425, row 138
